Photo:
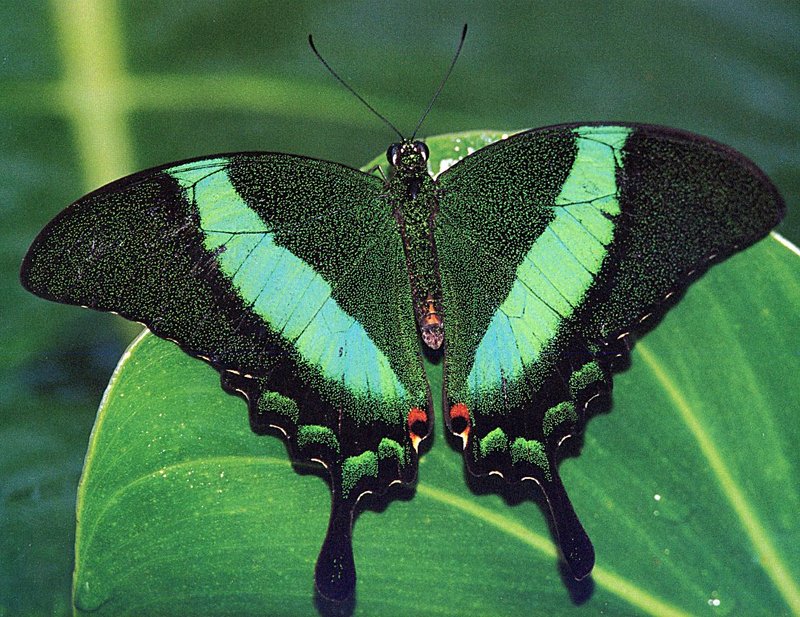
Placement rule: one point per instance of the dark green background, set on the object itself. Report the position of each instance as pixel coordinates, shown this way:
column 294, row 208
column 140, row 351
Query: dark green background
column 90, row 91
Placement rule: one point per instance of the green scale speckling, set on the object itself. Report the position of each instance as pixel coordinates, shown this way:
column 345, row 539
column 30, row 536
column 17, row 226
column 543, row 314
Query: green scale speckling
column 305, row 283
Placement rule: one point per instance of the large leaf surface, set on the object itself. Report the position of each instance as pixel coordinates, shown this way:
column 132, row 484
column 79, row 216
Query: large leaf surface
column 689, row 487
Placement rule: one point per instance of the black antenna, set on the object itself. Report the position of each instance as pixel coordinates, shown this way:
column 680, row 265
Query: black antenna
column 443, row 82
column 371, row 108
column 353, row 92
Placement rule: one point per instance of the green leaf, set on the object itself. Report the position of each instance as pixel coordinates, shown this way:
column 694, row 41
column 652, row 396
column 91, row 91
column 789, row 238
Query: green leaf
column 688, row 487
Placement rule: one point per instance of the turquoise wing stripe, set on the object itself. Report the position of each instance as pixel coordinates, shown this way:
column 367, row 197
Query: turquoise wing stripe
column 593, row 174
column 499, row 336
column 559, row 268
column 559, row 265
column 519, row 329
column 293, row 311
column 587, row 250
column 595, row 220
column 283, row 289
column 530, row 314
column 531, row 276
column 529, row 334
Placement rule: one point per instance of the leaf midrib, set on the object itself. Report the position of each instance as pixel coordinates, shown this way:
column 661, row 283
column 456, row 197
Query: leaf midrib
column 613, row 583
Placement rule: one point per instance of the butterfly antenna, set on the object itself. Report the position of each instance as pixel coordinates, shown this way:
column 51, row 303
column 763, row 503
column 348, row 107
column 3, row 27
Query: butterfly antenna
column 352, row 91
column 444, row 81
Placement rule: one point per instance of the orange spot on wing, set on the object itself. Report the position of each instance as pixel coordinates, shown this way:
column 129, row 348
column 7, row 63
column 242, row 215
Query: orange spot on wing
column 417, row 420
column 460, row 421
column 416, row 415
column 459, row 410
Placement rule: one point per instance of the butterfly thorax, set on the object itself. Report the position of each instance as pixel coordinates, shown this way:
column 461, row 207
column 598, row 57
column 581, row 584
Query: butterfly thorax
column 412, row 194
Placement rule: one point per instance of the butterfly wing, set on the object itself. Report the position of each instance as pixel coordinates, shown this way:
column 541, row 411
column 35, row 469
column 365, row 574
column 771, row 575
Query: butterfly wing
column 287, row 275
column 553, row 245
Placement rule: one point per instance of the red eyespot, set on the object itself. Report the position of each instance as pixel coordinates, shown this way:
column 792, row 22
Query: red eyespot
column 460, row 421
column 417, row 426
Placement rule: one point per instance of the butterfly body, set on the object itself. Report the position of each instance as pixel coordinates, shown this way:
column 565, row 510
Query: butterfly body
column 308, row 285
column 412, row 192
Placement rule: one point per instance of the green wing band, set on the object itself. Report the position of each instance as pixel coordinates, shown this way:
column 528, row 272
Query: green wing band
column 285, row 290
column 560, row 267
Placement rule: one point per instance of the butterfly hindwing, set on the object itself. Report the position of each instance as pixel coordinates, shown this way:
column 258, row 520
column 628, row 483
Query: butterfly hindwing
column 287, row 275
column 555, row 243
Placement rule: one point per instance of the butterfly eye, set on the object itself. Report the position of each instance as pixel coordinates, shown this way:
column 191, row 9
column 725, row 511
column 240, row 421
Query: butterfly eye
column 393, row 154
column 422, row 150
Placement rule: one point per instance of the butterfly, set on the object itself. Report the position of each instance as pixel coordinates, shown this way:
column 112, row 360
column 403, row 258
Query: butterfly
column 315, row 290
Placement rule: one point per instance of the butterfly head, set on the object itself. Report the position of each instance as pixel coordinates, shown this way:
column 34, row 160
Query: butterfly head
column 409, row 155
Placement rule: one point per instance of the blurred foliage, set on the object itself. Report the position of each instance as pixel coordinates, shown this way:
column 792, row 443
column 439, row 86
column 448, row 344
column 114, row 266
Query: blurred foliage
column 92, row 90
